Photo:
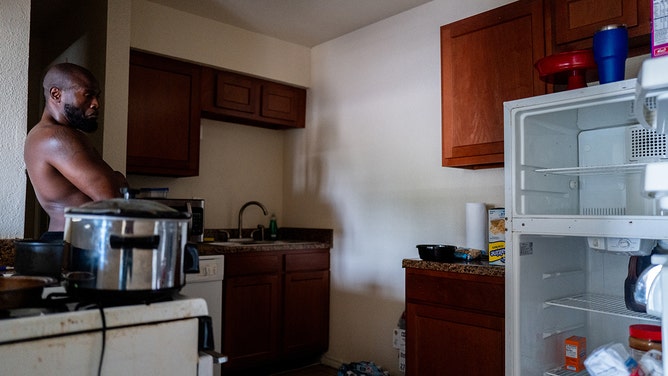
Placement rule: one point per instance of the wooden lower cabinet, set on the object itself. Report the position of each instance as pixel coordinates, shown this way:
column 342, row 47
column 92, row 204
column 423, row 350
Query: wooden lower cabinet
column 454, row 324
column 275, row 309
column 251, row 324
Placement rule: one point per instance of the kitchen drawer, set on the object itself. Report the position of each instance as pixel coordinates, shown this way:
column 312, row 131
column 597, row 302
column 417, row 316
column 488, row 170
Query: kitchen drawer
column 307, row 261
column 459, row 290
column 252, row 264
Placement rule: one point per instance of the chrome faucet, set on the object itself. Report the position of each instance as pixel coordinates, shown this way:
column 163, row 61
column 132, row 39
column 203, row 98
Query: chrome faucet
column 241, row 213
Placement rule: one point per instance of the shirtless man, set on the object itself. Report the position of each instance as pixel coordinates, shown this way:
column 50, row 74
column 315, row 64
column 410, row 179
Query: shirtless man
column 64, row 168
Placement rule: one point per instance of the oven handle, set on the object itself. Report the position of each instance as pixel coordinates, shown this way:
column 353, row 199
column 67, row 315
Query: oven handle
column 206, row 340
column 218, row 358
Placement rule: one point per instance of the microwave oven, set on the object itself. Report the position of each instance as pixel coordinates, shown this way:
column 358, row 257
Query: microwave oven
column 194, row 206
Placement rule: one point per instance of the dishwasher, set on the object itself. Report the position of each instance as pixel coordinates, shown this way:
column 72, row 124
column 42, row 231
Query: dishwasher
column 208, row 285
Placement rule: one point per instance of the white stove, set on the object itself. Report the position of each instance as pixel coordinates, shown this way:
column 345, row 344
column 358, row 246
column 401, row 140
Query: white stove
column 143, row 339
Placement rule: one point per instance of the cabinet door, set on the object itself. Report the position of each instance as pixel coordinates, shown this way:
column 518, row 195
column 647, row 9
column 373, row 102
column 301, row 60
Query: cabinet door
column 163, row 116
column 236, row 93
column 306, row 310
column 251, row 320
column 284, row 104
column 443, row 341
column 454, row 323
column 237, row 98
column 485, row 60
column 306, row 304
column 576, row 21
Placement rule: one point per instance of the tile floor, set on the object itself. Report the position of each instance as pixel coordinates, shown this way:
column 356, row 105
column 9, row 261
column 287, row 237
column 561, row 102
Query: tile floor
column 313, row 370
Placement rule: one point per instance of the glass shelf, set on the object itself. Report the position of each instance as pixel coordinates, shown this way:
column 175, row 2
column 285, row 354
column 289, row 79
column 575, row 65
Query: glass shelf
column 595, row 170
column 561, row 371
column 605, row 304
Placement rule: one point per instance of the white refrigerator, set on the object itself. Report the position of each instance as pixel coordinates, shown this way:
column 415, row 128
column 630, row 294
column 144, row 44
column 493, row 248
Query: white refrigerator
column 577, row 210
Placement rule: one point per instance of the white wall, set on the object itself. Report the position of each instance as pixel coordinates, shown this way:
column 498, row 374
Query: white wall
column 15, row 31
column 369, row 166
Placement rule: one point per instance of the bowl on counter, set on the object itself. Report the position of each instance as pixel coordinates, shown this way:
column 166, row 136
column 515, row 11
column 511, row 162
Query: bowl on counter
column 436, row 252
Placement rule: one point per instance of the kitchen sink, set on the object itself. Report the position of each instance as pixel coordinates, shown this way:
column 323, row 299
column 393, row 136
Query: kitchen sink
column 239, row 242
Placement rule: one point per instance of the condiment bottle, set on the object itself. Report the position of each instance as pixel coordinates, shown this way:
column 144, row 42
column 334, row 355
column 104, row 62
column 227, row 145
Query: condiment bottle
column 642, row 338
column 273, row 228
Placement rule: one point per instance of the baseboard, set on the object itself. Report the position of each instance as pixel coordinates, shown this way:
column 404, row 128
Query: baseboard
column 331, row 362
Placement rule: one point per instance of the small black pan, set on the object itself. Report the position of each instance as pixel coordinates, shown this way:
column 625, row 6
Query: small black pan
column 436, row 252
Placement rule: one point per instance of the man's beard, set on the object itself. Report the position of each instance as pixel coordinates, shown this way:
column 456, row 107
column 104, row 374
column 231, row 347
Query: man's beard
column 77, row 119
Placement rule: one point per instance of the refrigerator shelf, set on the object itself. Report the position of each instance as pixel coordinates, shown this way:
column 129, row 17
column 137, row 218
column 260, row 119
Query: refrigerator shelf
column 561, row 371
column 595, row 170
column 600, row 303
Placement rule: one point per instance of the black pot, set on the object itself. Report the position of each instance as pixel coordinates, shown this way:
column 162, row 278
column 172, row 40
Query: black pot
column 436, row 252
column 38, row 258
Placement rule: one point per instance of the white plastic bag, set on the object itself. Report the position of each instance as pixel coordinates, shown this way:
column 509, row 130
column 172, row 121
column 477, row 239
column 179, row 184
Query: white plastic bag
column 610, row 360
column 651, row 363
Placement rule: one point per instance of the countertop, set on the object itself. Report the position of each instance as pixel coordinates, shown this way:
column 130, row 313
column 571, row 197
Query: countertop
column 478, row 267
column 289, row 238
column 221, row 248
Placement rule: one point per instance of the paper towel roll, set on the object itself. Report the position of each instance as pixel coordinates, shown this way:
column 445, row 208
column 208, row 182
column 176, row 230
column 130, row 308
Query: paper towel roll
column 476, row 226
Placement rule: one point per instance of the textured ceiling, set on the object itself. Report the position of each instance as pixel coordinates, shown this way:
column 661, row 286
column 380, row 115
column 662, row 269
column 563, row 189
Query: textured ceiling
column 304, row 22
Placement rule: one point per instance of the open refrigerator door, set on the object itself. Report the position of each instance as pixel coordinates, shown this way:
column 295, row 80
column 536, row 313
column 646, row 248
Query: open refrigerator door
column 577, row 213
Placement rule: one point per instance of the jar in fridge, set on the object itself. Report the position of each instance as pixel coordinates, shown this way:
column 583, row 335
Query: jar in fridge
column 642, row 338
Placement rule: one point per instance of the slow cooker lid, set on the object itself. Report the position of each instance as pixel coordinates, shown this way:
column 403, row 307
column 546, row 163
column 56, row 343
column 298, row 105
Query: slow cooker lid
column 120, row 207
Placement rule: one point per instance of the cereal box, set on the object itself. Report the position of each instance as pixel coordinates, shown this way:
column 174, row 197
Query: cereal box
column 659, row 32
column 497, row 236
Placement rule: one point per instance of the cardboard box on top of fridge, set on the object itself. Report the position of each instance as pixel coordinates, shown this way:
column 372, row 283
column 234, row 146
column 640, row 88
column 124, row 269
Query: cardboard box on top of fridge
column 659, row 32
column 575, row 353
column 497, row 236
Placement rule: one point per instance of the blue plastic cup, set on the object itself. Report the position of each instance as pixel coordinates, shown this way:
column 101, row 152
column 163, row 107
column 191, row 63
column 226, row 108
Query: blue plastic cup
column 611, row 47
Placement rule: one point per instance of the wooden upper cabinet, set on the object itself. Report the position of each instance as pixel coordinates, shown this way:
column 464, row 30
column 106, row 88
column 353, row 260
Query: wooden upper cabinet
column 487, row 59
column 235, row 93
column 163, row 116
column 576, row 21
column 234, row 97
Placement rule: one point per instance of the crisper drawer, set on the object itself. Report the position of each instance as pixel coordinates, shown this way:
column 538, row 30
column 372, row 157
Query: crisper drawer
column 459, row 290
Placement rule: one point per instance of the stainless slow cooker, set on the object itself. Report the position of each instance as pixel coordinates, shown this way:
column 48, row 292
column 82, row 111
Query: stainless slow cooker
column 126, row 248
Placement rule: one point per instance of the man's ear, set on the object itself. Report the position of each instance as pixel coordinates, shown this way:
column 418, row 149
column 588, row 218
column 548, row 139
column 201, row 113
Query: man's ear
column 55, row 93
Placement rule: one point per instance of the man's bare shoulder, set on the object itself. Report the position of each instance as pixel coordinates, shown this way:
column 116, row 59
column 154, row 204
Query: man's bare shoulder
column 49, row 139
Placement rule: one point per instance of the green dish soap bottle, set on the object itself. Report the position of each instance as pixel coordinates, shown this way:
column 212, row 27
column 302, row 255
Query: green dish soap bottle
column 273, row 228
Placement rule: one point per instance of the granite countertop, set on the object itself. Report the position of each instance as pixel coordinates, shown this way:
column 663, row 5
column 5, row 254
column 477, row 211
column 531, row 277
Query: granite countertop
column 288, row 239
column 479, row 267
column 7, row 252
column 221, row 248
